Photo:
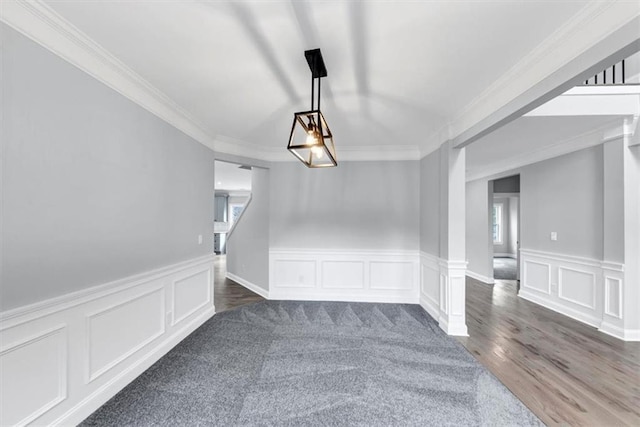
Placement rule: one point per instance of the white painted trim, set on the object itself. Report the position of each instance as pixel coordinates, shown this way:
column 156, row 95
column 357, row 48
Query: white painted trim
column 209, row 300
column 595, row 312
column 566, row 258
column 98, row 398
column 600, row 34
column 36, row 20
column 572, row 144
column 482, row 278
column 63, row 302
column 89, row 389
column 456, row 330
column 300, row 274
column 92, row 375
column 620, row 333
column 251, row 286
column 607, row 299
column 525, row 276
column 62, row 367
column 561, row 295
column 344, row 297
column 560, row 308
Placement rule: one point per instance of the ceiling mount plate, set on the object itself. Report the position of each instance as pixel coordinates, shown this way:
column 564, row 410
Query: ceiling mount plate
column 316, row 63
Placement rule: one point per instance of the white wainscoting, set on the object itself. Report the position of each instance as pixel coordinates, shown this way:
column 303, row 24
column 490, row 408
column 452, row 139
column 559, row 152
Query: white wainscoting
column 442, row 292
column 584, row 289
column 430, row 284
column 368, row 276
column 61, row 359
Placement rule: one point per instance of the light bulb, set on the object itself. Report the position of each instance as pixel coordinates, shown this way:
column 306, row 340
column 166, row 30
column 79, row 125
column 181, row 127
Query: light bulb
column 317, row 151
column 311, row 138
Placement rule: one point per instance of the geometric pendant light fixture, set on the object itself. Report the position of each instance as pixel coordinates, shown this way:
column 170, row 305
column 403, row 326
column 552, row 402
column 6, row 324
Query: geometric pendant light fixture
column 311, row 140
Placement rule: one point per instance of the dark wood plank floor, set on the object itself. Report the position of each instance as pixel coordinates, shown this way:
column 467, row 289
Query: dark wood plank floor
column 227, row 294
column 566, row 372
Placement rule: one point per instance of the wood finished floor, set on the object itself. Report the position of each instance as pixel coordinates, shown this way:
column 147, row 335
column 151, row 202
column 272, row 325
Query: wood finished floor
column 227, row 294
column 566, row 372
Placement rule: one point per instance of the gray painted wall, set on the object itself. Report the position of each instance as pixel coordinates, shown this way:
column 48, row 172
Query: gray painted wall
column 478, row 228
column 358, row 205
column 613, row 199
column 565, row 195
column 429, row 204
column 509, row 184
column 248, row 246
column 94, row 187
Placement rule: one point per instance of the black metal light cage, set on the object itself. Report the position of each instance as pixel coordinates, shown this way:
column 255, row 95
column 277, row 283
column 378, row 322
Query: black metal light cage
column 311, row 140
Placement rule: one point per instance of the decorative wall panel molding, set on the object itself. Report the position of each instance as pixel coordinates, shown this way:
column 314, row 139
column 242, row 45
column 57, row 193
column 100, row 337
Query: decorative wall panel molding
column 26, row 396
column 190, row 294
column 372, row 276
column 584, row 289
column 63, row 358
column 138, row 320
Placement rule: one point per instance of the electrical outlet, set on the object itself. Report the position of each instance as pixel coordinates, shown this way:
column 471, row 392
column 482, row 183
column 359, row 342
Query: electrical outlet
column 199, row 239
column 554, row 236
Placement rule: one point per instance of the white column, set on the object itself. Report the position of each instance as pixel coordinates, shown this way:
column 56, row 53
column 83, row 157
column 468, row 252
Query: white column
column 621, row 248
column 631, row 300
column 453, row 263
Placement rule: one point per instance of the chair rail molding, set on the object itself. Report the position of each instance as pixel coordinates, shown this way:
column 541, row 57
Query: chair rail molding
column 84, row 347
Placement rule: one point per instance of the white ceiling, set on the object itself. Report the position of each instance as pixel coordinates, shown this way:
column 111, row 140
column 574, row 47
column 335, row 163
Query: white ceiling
column 398, row 71
column 230, row 177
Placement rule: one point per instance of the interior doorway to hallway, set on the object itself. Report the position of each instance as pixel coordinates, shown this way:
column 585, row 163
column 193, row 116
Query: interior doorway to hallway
column 505, row 228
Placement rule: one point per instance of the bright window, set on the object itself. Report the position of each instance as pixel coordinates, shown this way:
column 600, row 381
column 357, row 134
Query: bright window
column 497, row 223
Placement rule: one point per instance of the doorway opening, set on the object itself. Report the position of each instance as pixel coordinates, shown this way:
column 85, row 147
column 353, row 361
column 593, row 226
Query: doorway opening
column 232, row 195
column 505, row 228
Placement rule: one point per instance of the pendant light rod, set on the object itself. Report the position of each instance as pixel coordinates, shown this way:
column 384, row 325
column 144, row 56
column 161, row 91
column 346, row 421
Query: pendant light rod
column 313, row 89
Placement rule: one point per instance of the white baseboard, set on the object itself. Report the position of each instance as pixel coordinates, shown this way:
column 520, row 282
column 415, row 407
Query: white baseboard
column 480, row 277
column 559, row 308
column 458, row 330
column 86, row 346
column 620, row 333
column 251, row 286
column 430, row 306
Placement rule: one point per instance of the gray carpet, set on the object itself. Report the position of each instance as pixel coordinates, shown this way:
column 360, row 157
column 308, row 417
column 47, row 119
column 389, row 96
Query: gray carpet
column 316, row 363
column 504, row 269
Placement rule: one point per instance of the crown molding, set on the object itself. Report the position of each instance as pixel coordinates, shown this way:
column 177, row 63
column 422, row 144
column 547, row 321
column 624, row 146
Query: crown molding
column 593, row 24
column 39, row 22
column 575, row 143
